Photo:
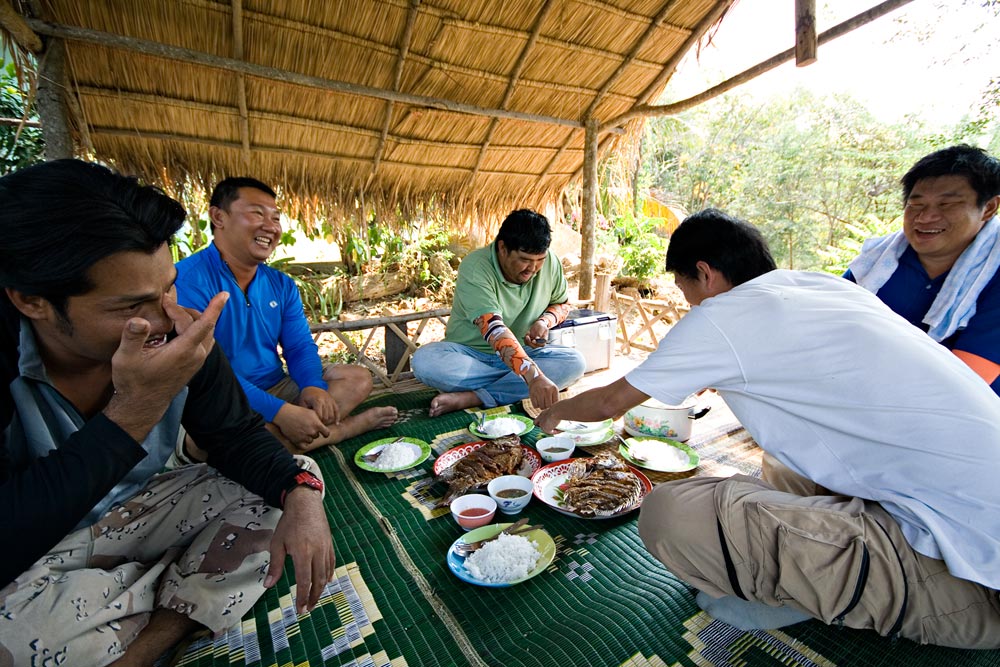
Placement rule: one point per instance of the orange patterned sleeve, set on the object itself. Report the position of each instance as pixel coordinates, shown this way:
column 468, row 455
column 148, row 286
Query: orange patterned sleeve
column 555, row 314
column 505, row 344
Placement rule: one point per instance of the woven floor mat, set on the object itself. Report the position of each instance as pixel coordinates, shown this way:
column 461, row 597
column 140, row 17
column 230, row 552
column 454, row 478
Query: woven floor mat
column 603, row 601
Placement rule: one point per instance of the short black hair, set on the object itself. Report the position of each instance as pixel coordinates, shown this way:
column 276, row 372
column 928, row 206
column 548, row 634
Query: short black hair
column 60, row 218
column 729, row 245
column 228, row 190
column 976, row 165
column 527, row 231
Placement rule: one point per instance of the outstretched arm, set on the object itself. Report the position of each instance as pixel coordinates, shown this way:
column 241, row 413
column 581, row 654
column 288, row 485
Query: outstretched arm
column 542, row 391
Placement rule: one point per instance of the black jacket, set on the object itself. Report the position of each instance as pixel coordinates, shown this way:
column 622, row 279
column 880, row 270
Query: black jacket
column 42, row 502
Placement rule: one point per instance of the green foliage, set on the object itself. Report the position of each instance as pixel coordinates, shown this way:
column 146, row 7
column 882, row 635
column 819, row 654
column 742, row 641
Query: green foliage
column 641, row 250
column 321, row 294
column 847, row 247
column 802, row 168
column 19, row 146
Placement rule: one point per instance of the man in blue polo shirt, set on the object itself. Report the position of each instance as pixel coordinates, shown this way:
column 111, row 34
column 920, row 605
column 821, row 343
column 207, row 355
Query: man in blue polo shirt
column 309, row 406
column 940, row 271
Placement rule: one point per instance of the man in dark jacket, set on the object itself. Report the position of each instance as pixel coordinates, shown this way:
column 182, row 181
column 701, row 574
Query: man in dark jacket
column 105, row 559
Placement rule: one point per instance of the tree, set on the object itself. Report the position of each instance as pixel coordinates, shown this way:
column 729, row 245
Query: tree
column 20, row 146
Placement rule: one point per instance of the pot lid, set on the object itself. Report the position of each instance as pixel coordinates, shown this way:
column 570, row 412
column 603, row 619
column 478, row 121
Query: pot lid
column 688, row 403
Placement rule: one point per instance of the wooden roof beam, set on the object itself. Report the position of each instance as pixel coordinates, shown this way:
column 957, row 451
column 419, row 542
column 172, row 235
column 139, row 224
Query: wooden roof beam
column 161, row 100
column 652, row 111
column 805, row 32
column 231, row 145
column 397, row 78
column 159, row 50
column 15, row 24
column 632, row 55
column 515, row 75
column 241, row 84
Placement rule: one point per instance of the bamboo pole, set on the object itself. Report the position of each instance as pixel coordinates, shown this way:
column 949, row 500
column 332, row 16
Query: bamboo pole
column 241, row 84
column 397, row 78
column 652, row 111
column 515, row 75
column 190, row 56
column 805, row 32
column 589, row 223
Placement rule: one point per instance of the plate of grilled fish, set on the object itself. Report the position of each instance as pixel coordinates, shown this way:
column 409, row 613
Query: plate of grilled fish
column 469, row 468
column 598, row 487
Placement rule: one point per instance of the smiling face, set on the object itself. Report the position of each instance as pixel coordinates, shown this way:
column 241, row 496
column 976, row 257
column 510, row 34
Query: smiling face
column 518, row 267
column 126, row 285
column 248, row 232
column 941, row 218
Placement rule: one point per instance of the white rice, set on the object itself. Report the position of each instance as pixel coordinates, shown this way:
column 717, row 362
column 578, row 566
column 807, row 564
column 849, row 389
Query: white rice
column 659, row 454
column 396, row 455
column 502, row 426
column 507, row 558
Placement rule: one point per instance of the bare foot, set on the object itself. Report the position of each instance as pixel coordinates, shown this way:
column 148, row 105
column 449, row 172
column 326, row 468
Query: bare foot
column 369, row 420
column 456, row 400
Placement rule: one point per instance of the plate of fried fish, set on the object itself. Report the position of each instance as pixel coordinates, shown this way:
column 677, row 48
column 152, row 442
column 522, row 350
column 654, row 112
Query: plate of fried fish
column 472, row 466
column 598, row 487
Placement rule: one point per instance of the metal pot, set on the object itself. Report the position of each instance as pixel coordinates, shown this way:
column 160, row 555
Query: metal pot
column 659, row 420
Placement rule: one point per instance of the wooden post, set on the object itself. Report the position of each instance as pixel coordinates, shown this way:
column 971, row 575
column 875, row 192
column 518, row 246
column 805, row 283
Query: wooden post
column 589, row 224
column 602, row 294
column 805, row 32
column 395, row 348
column 52, row 110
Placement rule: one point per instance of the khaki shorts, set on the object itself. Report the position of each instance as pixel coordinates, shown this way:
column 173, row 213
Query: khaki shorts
column 839, row 559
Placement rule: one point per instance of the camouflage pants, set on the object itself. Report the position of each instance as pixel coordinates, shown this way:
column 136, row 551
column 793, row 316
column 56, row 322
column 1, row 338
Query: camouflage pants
column 191, row 541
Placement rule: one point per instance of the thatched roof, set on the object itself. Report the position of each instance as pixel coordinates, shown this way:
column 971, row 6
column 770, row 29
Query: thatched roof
column 477, row 105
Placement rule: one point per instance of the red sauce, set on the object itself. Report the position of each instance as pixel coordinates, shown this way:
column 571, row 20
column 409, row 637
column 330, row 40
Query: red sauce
column 474, row 512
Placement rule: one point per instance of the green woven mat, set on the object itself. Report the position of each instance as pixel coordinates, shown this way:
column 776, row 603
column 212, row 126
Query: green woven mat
column 603, row 601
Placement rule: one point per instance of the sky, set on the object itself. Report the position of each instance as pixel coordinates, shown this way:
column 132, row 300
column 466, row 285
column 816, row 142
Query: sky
column 930, row 57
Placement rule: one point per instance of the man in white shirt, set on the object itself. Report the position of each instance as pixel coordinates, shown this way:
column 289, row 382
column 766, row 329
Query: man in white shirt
column 849, row 398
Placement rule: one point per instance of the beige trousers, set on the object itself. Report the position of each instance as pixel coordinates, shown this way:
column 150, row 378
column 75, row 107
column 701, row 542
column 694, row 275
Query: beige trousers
column 191, row 540
column 842, row 560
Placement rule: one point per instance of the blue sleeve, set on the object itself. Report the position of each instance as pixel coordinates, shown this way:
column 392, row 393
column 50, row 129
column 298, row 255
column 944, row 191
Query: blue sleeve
column 849, row 276
column 297, row 345
column 261, row 401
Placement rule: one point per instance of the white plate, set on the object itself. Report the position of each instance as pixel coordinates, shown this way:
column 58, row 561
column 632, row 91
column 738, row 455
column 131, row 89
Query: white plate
column 525, row 422
column 546, row 483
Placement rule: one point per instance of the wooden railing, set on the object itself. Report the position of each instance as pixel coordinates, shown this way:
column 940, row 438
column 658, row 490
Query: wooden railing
column 649, row 318
column 400, row 344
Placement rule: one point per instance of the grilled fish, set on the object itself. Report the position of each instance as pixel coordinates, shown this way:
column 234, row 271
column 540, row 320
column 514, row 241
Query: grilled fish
column 501, row 456
column 600, row 486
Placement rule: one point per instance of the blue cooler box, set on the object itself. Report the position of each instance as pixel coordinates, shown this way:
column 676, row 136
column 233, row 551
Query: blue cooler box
column 592, row 333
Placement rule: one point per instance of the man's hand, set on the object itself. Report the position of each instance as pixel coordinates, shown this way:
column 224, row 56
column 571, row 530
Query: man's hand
column 321, row 402
column 543, row 392
column 147, row 378
column 538, row 334
column 299, row 425
column 547, row 420
column 304, row 534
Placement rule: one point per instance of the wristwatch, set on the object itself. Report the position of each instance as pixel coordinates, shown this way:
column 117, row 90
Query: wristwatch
column 304, row 478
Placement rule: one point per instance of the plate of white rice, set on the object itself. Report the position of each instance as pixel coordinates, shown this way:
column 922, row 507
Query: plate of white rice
column 505, row 561
column 394, row 454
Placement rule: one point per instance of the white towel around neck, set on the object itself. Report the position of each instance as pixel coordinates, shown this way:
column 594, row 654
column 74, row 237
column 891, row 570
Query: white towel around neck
column 955, row 304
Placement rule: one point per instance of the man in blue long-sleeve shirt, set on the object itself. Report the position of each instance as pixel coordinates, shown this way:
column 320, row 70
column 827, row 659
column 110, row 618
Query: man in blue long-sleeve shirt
column 309, row 406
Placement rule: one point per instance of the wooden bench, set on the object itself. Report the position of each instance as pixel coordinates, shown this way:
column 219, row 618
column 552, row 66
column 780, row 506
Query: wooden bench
column 654, row 320
column 400, row 344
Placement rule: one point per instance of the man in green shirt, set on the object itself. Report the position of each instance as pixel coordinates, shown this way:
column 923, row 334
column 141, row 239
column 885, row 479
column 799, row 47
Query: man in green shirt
column 512, row 290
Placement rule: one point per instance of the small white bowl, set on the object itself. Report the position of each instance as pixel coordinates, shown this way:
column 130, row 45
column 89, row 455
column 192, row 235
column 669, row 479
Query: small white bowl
column 503, row 488
column 473, row 510
column 555, row 448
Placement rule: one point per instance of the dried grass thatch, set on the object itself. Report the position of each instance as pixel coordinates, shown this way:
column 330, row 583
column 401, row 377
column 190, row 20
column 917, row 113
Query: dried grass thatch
column 554, row 63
